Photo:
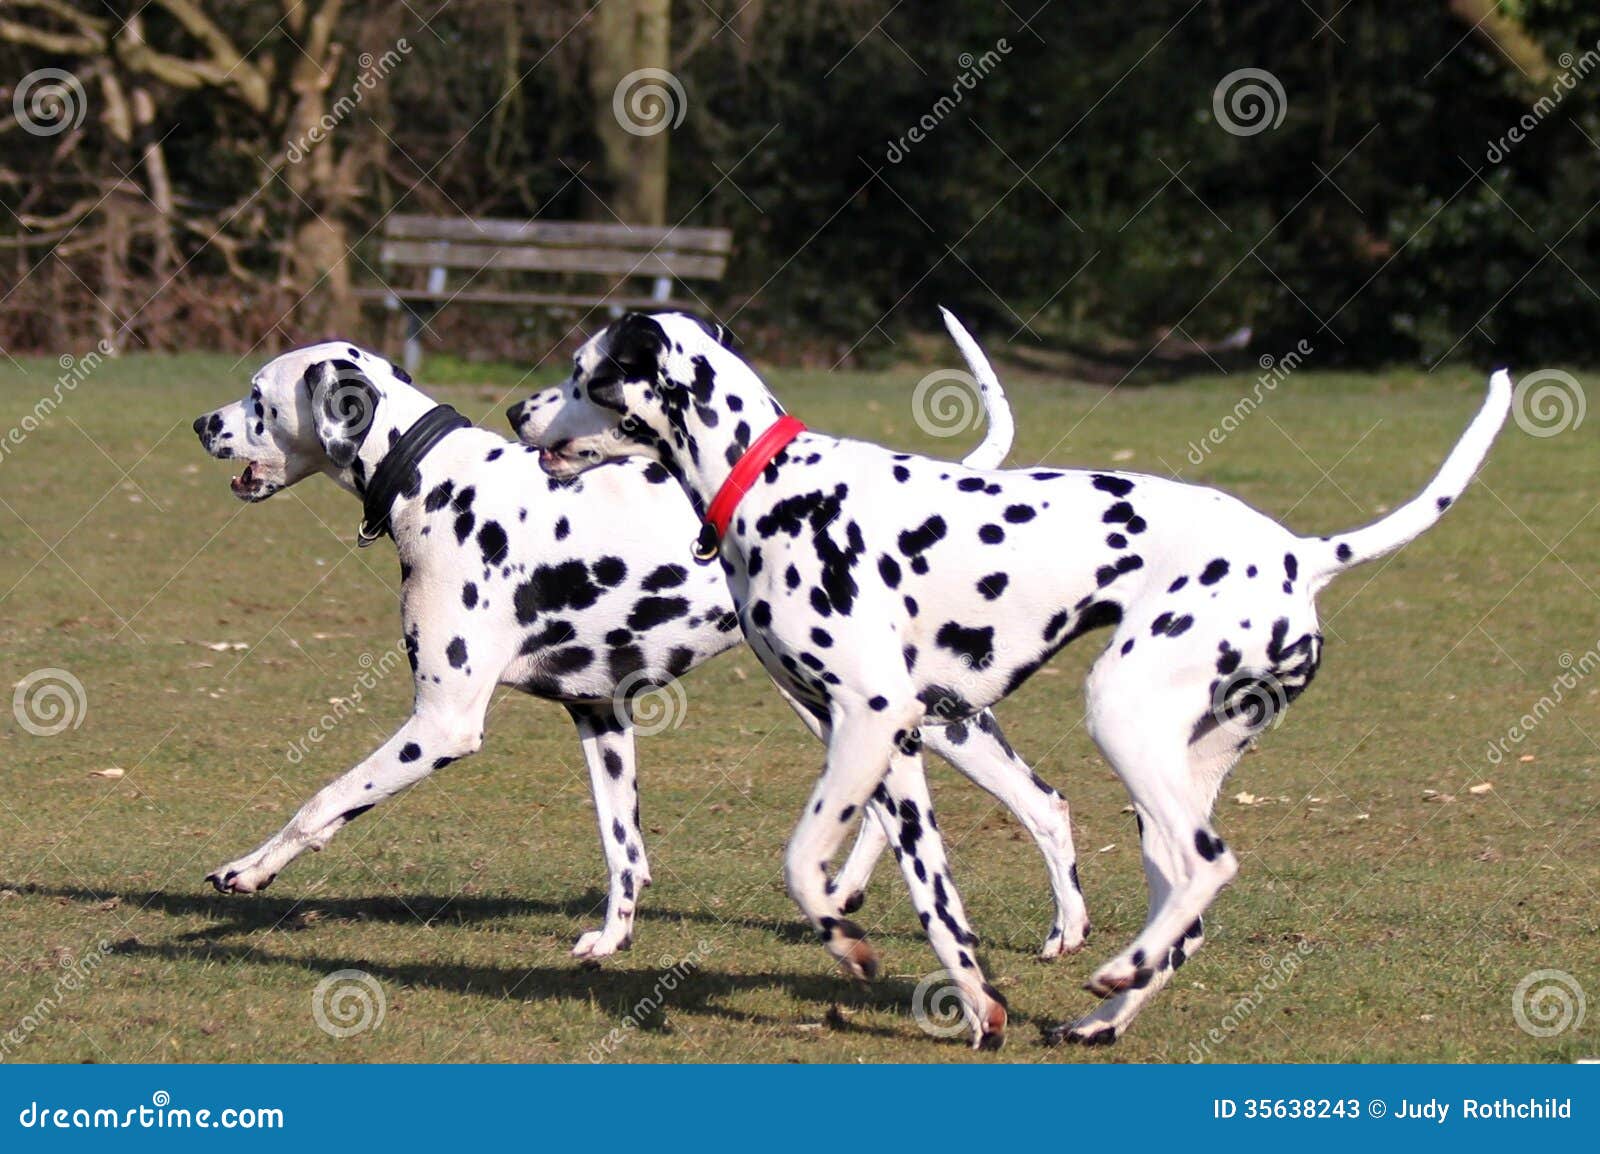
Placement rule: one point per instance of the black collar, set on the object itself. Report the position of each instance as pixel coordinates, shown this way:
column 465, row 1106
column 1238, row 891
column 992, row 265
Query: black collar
column 403, row 456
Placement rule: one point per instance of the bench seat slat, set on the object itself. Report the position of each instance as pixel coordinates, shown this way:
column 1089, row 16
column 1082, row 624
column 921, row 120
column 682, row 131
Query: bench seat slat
column 451, row 254
column 557, row 234
column 493, row 297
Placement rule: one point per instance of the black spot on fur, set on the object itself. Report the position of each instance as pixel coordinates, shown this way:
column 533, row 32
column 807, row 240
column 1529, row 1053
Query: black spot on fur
column 456, row 652
column 492, row 540
column 665, row 577
column 410, row 752
column 1214, row 572
column 610, row 571
column 993, row 585
column 975, row 645
column 648, row 612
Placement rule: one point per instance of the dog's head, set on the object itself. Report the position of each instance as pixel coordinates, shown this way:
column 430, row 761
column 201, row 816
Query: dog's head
column 637, row 388
column 308, row 411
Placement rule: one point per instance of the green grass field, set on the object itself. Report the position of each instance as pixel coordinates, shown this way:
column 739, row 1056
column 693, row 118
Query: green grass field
column 1384, row 910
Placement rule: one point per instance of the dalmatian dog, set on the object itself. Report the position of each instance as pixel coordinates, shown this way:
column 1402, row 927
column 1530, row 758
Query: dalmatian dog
column 884, row 590
column 585, row 593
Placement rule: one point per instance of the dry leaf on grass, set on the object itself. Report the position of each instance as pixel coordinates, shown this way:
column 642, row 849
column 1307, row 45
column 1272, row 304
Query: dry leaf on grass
column 110, row 773
column 1482, row 787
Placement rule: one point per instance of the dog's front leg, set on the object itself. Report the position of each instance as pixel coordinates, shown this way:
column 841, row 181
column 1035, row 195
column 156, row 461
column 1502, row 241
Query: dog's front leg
column 433, row 737
column 849, row 887
column 607, row 739
column 874, row 755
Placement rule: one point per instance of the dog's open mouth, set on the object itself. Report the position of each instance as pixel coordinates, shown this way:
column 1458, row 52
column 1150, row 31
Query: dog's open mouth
column 249, row 485
column 562, row 464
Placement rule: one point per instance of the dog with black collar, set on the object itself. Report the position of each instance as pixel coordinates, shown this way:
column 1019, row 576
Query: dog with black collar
column 885, row 590
column 584, row 593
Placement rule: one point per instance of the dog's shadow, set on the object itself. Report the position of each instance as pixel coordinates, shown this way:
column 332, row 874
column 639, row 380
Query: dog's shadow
column 649, row 993
column 627, row 981
column 254, row 913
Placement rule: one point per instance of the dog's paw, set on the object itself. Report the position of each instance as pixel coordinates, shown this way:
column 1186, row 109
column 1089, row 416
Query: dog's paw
column 1130, row 971
column 602, row 943
column 1084, row 1032
column 1059, row 944
column 240, row 877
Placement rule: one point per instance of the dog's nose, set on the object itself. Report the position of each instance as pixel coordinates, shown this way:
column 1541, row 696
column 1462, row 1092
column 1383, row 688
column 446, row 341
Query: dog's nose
column 514, row 415
column 199, row 426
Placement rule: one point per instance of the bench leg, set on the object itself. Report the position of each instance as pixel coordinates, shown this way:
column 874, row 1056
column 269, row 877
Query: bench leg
column 412, row 357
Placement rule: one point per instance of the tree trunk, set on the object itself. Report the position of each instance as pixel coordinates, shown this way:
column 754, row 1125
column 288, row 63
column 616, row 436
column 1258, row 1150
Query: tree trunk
column 633, row 112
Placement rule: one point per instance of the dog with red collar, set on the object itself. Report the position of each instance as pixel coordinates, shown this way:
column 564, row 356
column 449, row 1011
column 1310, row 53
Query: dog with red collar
column 884, row 589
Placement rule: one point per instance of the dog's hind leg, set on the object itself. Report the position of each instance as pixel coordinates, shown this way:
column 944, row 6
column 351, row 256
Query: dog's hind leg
column 441, row 730
column 608, row 748
column 980, row 752
column 1106, row 1023
column 1142, row 720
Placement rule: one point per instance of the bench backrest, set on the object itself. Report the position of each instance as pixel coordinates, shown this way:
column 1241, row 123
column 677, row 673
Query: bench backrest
column 556, row 246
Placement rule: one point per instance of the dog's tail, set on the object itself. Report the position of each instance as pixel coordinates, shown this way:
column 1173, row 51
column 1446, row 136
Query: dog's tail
column 991, row 451
column 1328, row 556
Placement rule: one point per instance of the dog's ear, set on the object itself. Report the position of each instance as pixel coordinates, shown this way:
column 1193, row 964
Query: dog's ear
column 632, row 352
column 717, row 332
column 343, row 404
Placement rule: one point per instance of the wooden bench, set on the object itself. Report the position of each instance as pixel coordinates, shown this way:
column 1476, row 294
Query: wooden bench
column 600, row 265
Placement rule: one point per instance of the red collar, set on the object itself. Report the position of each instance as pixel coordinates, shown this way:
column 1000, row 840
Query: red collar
column 745, row 471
